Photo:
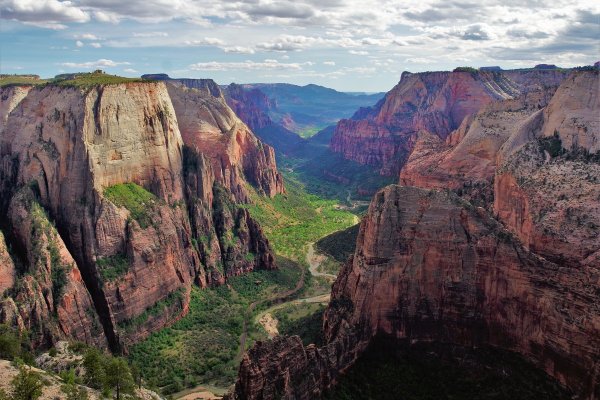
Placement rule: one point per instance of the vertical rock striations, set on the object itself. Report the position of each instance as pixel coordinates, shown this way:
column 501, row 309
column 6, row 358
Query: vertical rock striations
column 429, row 266
column 136, row 215
column 436, row 102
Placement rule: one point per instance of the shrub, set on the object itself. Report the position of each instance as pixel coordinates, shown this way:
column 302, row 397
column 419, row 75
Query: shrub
column 10, row 343
column 112, row 267
column 27, row 385
column 134, row 198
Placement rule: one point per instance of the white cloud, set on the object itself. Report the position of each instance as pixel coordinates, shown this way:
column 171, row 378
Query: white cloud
column 330, row 63
column 103, row 62
column 207, row 41
column 131, row 70
column 79, row 43
column 96, row 45
column 52, row 14
column 289, row 43
column 358, row 52
column 238, row 49
column 246, row 65
column 87, row 36
column 149, row 34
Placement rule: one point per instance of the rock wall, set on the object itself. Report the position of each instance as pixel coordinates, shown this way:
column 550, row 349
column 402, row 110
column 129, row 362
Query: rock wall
column 436, row 102
column 137, row 249
column 210, row 127
column 250, row 105
column 429, row 266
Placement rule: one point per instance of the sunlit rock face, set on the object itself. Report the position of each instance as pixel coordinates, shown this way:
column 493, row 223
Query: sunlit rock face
column 90, row 267
column 435, row 102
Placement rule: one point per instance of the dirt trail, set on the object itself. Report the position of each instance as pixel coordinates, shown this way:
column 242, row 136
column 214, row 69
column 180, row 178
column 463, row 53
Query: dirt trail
column 277, row 298
column 314, row 261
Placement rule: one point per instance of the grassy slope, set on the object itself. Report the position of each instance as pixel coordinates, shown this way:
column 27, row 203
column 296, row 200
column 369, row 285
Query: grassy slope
column 294, row 219
column 83, row 80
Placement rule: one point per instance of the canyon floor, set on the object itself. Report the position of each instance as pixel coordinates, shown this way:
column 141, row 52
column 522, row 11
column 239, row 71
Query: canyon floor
column 199, row 355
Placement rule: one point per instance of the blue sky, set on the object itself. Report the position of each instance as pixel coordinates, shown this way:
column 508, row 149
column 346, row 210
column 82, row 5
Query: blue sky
column 350, row 45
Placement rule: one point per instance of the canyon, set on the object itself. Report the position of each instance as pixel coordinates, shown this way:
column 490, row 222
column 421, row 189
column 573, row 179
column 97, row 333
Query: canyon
column 120, row 202
column 491, row 239
column 116, row 199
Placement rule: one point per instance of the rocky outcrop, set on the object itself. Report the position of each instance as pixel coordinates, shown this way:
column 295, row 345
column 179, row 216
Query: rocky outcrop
column 546, row 184
column 466, row 160
column 131, row 202
column 436, row 102
column 430, row 267
column 51, row 300
column 250, row 105
column 210, row 127
column 7, row 267
column 573, row 113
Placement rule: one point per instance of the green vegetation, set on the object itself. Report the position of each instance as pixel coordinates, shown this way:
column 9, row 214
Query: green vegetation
column 441, row 371
column 78, row 80
column 173, row 300
column 17, row 80
column 304, row 320
column 552, row 144
column 310, row 131
column 465, row 69
column 294, row 219
column 134, row 198
column 339, row 245
column 27, row 385
column 14, row 344
column 118, row 377
column 106, row 373
column 113, row 267
column 92, row 79
column 202, row 347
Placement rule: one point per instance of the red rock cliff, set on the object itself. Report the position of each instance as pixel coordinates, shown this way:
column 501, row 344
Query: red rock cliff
column 429, row 266
column 70, row 145
column 436, row 102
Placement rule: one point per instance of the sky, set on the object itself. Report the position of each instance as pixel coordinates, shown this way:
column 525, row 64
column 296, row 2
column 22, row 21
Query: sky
column 349, row 45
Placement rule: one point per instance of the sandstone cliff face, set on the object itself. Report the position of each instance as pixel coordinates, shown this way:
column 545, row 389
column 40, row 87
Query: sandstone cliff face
column 573, row 113
column 51, row 298
column 467, row 160
column 250, row 105
column 210, row 127
column 436, row 102
column 7, row 267
column 550, row 201
column 429, row 266
column 72, row 145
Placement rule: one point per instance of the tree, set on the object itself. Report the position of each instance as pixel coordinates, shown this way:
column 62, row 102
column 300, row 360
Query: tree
column 137, row 375
column 27, row 385
column 118, row 377
column 74, row 392
column 10, row 343
column 93, row 362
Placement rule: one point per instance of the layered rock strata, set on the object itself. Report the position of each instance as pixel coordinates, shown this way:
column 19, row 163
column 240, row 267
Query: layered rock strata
column 435, row 102
column 430, row 267
column 140, row 213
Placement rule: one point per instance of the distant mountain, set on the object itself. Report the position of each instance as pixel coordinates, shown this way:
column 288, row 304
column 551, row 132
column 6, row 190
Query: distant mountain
column 306, row 110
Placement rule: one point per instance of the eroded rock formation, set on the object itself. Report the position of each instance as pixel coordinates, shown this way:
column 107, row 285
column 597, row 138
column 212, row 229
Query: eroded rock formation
column 429, row 266
column 521, row 272
column 138, row 214
column 436, row 102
